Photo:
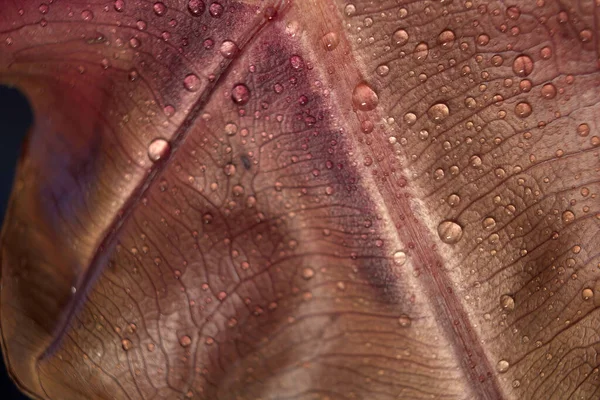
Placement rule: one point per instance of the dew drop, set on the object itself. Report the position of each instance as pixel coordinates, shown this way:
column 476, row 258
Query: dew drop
column 119, row 5
column 489, row 223
column 364, row 97
column 240, row 94
column 502, row 366
column 523, row 65
column 438, row 112
column 399, row 258
column 421, row 51
column 308, row 273
column 583, row 129
column 159, row 8
column 158, row 149
column 410, row 118
column 330, row 41
column 568, row 217
column 587, row 293
column 350, row 10
column 507, row 302
column 483, row 39
column 446, row 39
column 453, row 200
column 404, row 321
column 296, row 62
column 548, row 91
column 185, row 341
column 382, row 70
column 231, row 129
column 191, row 82
column 228, row 49
column 523, row 109
column 87, row 15
column 450, row 232
column 126, row 344
column 399, row 37
column 196, row 7
column 586, row 35
column 513, row 12
column 216, row 10
column 476, row 161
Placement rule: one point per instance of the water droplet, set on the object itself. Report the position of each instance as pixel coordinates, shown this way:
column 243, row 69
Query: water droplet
column 513, row 12
column 134, row 42
column 228, row 49
column 364, row 97
column 240, row 94
column 410, row 118
column 185, row 341
column 296, row 62
column 126, row 344
column 453, row 200
column 404, row 321
column 350, row 10
column 330, row 41
column 231, row 129
column 308, row 273
column 87, row 15
column 44, row 8
column 568, row 217
column 523, row 65
column 191, row 82
column 483, row 39
column 476, row 161
column 548, row 91
column 399, row 37
column 216, row 10
column 446, row 39
column 119, row 5
column 523, row 109
column 587, row 293
column 489, row 223
column 159, row 8
column 382, row 70
column 229, row 169
column 450, row 232
column 586, row 35
column 151, row 347
column 583, row 129
column 399, row 258
column 421, row 51
column 516, row 383
column 438, row 112
column 507, row 302
column 545, row 53
column 196, row 7
column 158, row 149
column 502, row 366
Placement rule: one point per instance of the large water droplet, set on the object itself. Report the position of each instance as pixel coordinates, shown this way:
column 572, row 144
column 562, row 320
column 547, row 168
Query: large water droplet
column 446, row 39
column 364, row 97
column 450, row 232
column 240, row 94
column 158, row 149
column 502, row 366
column 523, row 109
column 523, row 65
column 399, row 37
column 399, row 258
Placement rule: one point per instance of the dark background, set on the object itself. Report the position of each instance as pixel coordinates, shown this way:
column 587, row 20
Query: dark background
column 15, row 119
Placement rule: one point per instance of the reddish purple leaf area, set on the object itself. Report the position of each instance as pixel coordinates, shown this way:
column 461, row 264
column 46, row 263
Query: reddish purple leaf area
column 304, row 199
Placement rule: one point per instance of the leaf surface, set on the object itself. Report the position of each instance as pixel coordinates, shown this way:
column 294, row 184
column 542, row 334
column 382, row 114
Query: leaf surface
column 304, row 200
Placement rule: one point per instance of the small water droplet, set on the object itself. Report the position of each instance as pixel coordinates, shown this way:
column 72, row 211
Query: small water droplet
column 185, row 341
column 523, row 109
column 513, row 12
column 119, row 5
column 399, row 258
column 159, row 8
column 196, row 7
column 489, row 223
column 191, row 82
column 296, row 62
column 228, row 49
column 450, row 232
column 158, row 149
column 507, row 302
column 502, row 366
column 87, row 15
column 400, row 37
column 404, row 321
column 523, row 65
column 350, row 10
column 308, row 273
column 548, row 91
column 586, row 35
column 446, row 39
column 126, row 344
column 216, row 10
column 240, row 94
column 410, row 118
column 364, row 97
column 421, row 51
column 382, row 70
column 568, row 216
column 330, row 41
column 587, row 293
column 438, row 112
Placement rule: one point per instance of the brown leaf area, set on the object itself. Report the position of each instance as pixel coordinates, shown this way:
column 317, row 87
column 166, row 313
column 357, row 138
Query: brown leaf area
column 304, row 200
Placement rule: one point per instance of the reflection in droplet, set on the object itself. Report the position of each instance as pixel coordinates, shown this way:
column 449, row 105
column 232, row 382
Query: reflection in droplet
column 158, row 149
column 364, row 97
column 450, row 232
